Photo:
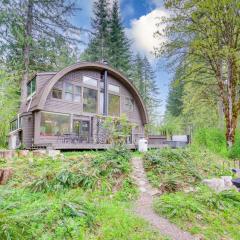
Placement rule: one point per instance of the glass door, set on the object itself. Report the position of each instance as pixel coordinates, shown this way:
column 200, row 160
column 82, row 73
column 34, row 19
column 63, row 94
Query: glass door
column 82, row 129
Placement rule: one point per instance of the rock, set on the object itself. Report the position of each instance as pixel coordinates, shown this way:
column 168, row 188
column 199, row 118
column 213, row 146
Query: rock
column 190, row 189
column 53, row 153
column 5, row 175
column 7, row 154
column 39, row 153
column 23, row 153
column 219, row 184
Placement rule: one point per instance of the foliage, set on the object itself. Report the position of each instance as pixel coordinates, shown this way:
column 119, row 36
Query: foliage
column 66, row 212
column 117, row 129
column 174, row 170
column 108, row 42
column 8, row 103
column 202, row 41
column 211, row 138
column 217, row 214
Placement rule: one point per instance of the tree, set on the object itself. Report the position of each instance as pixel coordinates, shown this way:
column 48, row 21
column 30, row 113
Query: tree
column 175, row 95
column 30, row 29
column 119, row 48
column 98, row 47
column 206, row 33
column 143, row 77
column 8, row 102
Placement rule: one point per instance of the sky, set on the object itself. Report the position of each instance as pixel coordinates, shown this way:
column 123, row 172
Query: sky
column 139, row 18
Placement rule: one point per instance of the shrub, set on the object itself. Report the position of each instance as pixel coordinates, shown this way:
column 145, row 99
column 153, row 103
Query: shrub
column 213, row 215
column 100, row 171
column 211, row 138
column 175, row 169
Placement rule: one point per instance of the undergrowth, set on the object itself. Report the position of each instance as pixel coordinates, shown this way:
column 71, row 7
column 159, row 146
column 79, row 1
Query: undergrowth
column 185, row 201
column 203, row 212
column 82, row 196
column 176, row 169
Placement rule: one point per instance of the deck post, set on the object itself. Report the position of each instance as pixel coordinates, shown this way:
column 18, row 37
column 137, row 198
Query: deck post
column 105, row 94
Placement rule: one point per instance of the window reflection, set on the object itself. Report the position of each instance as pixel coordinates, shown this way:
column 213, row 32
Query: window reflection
column 113, row 105
column 89, row 100
column 54, row 124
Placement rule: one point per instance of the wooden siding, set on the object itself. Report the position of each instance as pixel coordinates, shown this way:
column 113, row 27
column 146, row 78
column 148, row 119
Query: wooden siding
column 27, row 130
column 76, row 111
column 31, row 123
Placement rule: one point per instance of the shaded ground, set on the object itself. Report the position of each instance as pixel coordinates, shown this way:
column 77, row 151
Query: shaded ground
column 144, row 209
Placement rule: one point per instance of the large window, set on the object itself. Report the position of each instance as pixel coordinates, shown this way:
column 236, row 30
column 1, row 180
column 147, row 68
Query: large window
column 77, row 94
column 72, row 92
column 113, row 88
column 90, row 81
column 113, row 105
column 31, row 87
column 89, row 100
column 54, row 124
column 68, row 95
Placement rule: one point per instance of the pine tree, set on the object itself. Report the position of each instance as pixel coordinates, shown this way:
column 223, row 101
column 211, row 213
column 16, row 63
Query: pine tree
column 143, row 77
column 120, row 54
column 30, row 30
column 175, row 97
column 98, row 47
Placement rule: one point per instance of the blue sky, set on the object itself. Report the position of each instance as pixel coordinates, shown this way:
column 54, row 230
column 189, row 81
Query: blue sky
column 139, row 19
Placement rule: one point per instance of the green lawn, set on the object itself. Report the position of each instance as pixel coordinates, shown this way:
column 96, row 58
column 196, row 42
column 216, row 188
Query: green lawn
column 86, row 195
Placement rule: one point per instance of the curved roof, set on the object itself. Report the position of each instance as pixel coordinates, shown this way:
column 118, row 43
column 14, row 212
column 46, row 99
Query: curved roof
column 97, row 66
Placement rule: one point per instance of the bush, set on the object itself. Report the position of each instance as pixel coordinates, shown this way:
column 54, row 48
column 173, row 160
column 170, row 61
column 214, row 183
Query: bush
column 211, row 138
column 100, row 171
column 215, row 216
column 175, row 169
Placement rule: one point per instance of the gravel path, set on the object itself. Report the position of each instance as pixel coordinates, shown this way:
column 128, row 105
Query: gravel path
column 144, row 209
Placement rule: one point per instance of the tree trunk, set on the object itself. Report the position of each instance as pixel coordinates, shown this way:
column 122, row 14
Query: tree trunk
column 232, row 102
column 26, row 49
column 231, row 124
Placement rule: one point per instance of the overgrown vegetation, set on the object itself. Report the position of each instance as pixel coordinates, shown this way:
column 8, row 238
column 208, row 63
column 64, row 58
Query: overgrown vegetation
column 203, row 212
column 185, row 201
column 82, row 196
column 174, row 170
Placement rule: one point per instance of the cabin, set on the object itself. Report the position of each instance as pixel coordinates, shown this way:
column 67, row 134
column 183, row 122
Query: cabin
column 65, row 109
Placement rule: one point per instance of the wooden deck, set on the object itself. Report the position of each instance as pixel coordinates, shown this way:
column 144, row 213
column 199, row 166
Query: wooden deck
column 88, row 146
column 83, row 146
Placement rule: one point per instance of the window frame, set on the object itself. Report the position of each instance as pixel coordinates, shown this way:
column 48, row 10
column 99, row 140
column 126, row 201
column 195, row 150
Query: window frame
column 97, row 100
column 66, row 91
column 89, row 85
column 57, row 89
column 118, row 95
column 33, row 80
column 53, row 113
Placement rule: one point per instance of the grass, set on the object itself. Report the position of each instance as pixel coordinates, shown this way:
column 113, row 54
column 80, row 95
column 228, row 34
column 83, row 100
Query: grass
column 85, row 195
column 186, row 202
column 211, row 215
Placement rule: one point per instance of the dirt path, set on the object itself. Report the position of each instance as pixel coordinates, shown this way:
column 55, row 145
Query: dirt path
column 144, row 209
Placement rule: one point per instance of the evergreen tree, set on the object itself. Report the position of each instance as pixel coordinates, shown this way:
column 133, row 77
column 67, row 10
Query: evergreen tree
column 98, row 47
column 175, row 96
column 143, row 77
column 120, row 54
column 30, row 31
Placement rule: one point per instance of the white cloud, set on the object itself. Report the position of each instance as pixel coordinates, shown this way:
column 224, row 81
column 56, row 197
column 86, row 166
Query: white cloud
column 142, row 31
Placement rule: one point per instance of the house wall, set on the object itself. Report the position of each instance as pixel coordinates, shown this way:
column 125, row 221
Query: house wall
column 27, row 125
column 76, row 109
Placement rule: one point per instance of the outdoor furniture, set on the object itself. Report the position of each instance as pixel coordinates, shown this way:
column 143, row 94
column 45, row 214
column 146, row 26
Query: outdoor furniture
column 236, row 182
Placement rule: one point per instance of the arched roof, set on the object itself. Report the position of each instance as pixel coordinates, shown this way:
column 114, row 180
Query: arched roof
column 97, row 66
